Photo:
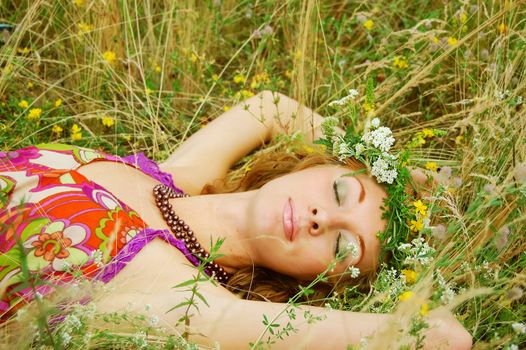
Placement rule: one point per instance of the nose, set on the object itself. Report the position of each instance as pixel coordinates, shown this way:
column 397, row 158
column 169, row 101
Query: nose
column 322, row 221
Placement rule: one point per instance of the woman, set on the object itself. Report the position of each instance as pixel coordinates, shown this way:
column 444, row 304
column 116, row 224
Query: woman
column 66, row 207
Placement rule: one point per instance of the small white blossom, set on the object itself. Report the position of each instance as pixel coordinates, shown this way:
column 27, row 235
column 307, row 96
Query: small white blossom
column 355, row 272
column 353, row 93
column 417, row 252
column 513, row 347
column 359, row 148
column 375, row 122
column 382, row 171
column 344, row 151
column 97, row 255
column 341, row 102
column 65, row 338
column 382, row 138
column 154, row 320
column 519, row 328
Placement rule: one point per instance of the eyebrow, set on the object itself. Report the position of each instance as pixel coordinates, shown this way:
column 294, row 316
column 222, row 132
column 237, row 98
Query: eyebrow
column 362, row 191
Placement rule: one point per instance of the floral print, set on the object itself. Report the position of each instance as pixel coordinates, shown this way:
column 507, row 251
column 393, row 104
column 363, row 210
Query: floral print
column 58, row 219
column 57, row 245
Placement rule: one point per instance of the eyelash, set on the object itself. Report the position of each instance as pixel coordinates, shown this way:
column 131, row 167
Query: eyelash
column 335, row 187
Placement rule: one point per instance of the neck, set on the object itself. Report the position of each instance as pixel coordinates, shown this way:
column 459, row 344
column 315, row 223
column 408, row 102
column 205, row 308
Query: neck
column 220, row 216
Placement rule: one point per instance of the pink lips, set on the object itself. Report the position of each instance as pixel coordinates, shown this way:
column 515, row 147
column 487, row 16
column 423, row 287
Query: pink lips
column 289, row 225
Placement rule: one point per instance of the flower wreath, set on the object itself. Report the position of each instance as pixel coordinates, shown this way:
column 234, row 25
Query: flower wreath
column 405, row 215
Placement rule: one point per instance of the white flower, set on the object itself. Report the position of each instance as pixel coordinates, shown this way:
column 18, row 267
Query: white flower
column 328, row 124
column 382, row 138
column 96, row 255
column 359, row 148
column 154, row 320
column 513, row 347
column 519, row 328
column 375, row 122
column 66, row 338
column 344, row 151
column 353, row 93
column 381, row 170
column 418, row 252
column 355, row 272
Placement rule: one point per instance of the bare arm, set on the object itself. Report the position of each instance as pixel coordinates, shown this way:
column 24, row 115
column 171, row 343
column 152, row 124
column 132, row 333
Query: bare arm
column 209, row 153
column 235, row 323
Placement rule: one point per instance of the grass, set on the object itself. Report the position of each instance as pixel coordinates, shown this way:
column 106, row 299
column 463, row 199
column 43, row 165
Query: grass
column 129, row 76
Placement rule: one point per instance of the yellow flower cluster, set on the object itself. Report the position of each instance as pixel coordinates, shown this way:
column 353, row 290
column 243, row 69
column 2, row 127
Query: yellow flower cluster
column 369, row 24
column 452, row 41
column 58, row 103
column 424, row 307
column 107, row 121
column 84, row 28
column 76, row 133
column 400, row 62
column 57, row 129
column 109, row 56
column 420, row 137
column 239, row 79
column 34, row 113
column 502, row 28
column 23, row 104
column 259, row 79
column 421, row 212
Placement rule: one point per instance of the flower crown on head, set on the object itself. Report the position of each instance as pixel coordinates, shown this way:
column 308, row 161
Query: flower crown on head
column 404, row 214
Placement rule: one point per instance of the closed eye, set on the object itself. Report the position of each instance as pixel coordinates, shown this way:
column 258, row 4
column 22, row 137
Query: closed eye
column 335, row 187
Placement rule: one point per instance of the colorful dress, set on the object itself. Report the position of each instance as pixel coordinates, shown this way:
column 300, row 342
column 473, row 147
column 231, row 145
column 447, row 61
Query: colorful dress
column 57, row 226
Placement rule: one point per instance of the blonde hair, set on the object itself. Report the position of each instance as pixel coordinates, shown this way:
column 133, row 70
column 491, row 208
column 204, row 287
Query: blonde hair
column 259, row 283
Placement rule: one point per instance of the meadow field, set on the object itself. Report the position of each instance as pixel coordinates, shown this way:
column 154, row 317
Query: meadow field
column 448, row 77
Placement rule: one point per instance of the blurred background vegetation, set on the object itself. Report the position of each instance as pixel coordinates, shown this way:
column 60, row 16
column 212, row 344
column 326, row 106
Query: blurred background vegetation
column 126, row 76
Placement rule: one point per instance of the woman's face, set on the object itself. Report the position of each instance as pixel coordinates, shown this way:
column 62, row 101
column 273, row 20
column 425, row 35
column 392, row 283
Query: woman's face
column 300, row 221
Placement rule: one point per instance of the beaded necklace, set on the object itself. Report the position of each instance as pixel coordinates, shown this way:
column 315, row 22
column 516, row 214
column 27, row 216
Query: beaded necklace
column 183, row 232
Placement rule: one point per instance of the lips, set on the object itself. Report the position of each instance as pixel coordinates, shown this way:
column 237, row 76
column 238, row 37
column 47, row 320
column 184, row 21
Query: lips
column 289, row 226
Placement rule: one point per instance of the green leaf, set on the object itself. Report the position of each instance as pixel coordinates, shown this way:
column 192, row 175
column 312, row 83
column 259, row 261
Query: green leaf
column 200, row 296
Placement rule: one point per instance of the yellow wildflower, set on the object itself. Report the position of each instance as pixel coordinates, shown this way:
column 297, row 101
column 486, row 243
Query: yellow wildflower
column 308, row 149
column 84, row 28
column 436, row 40
column 148, row 91
column 226, row 108
column 239, row 79
column 76, row 133
column 23, row 104
column 157, row 68
column 416, row 226
column 246, row 93
column 420, row 207
column 79, row 3
column 30, row 85
column 424, row 309
column 406, row 296
column 109, row 56
column 368, row 24
column 108, row 121
column 410, row 276
column 458, row 139
column 23, row 50
column 126, row 137
column 297, row 54
column 58, row 103
column 400, row 62
column 431, row 166
column 502, row 28
column 57, row 129
column 428, row 133
column 215, row 77
column 463, row 18
column 34, row 113
column 451, row 41
column 193, row 57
